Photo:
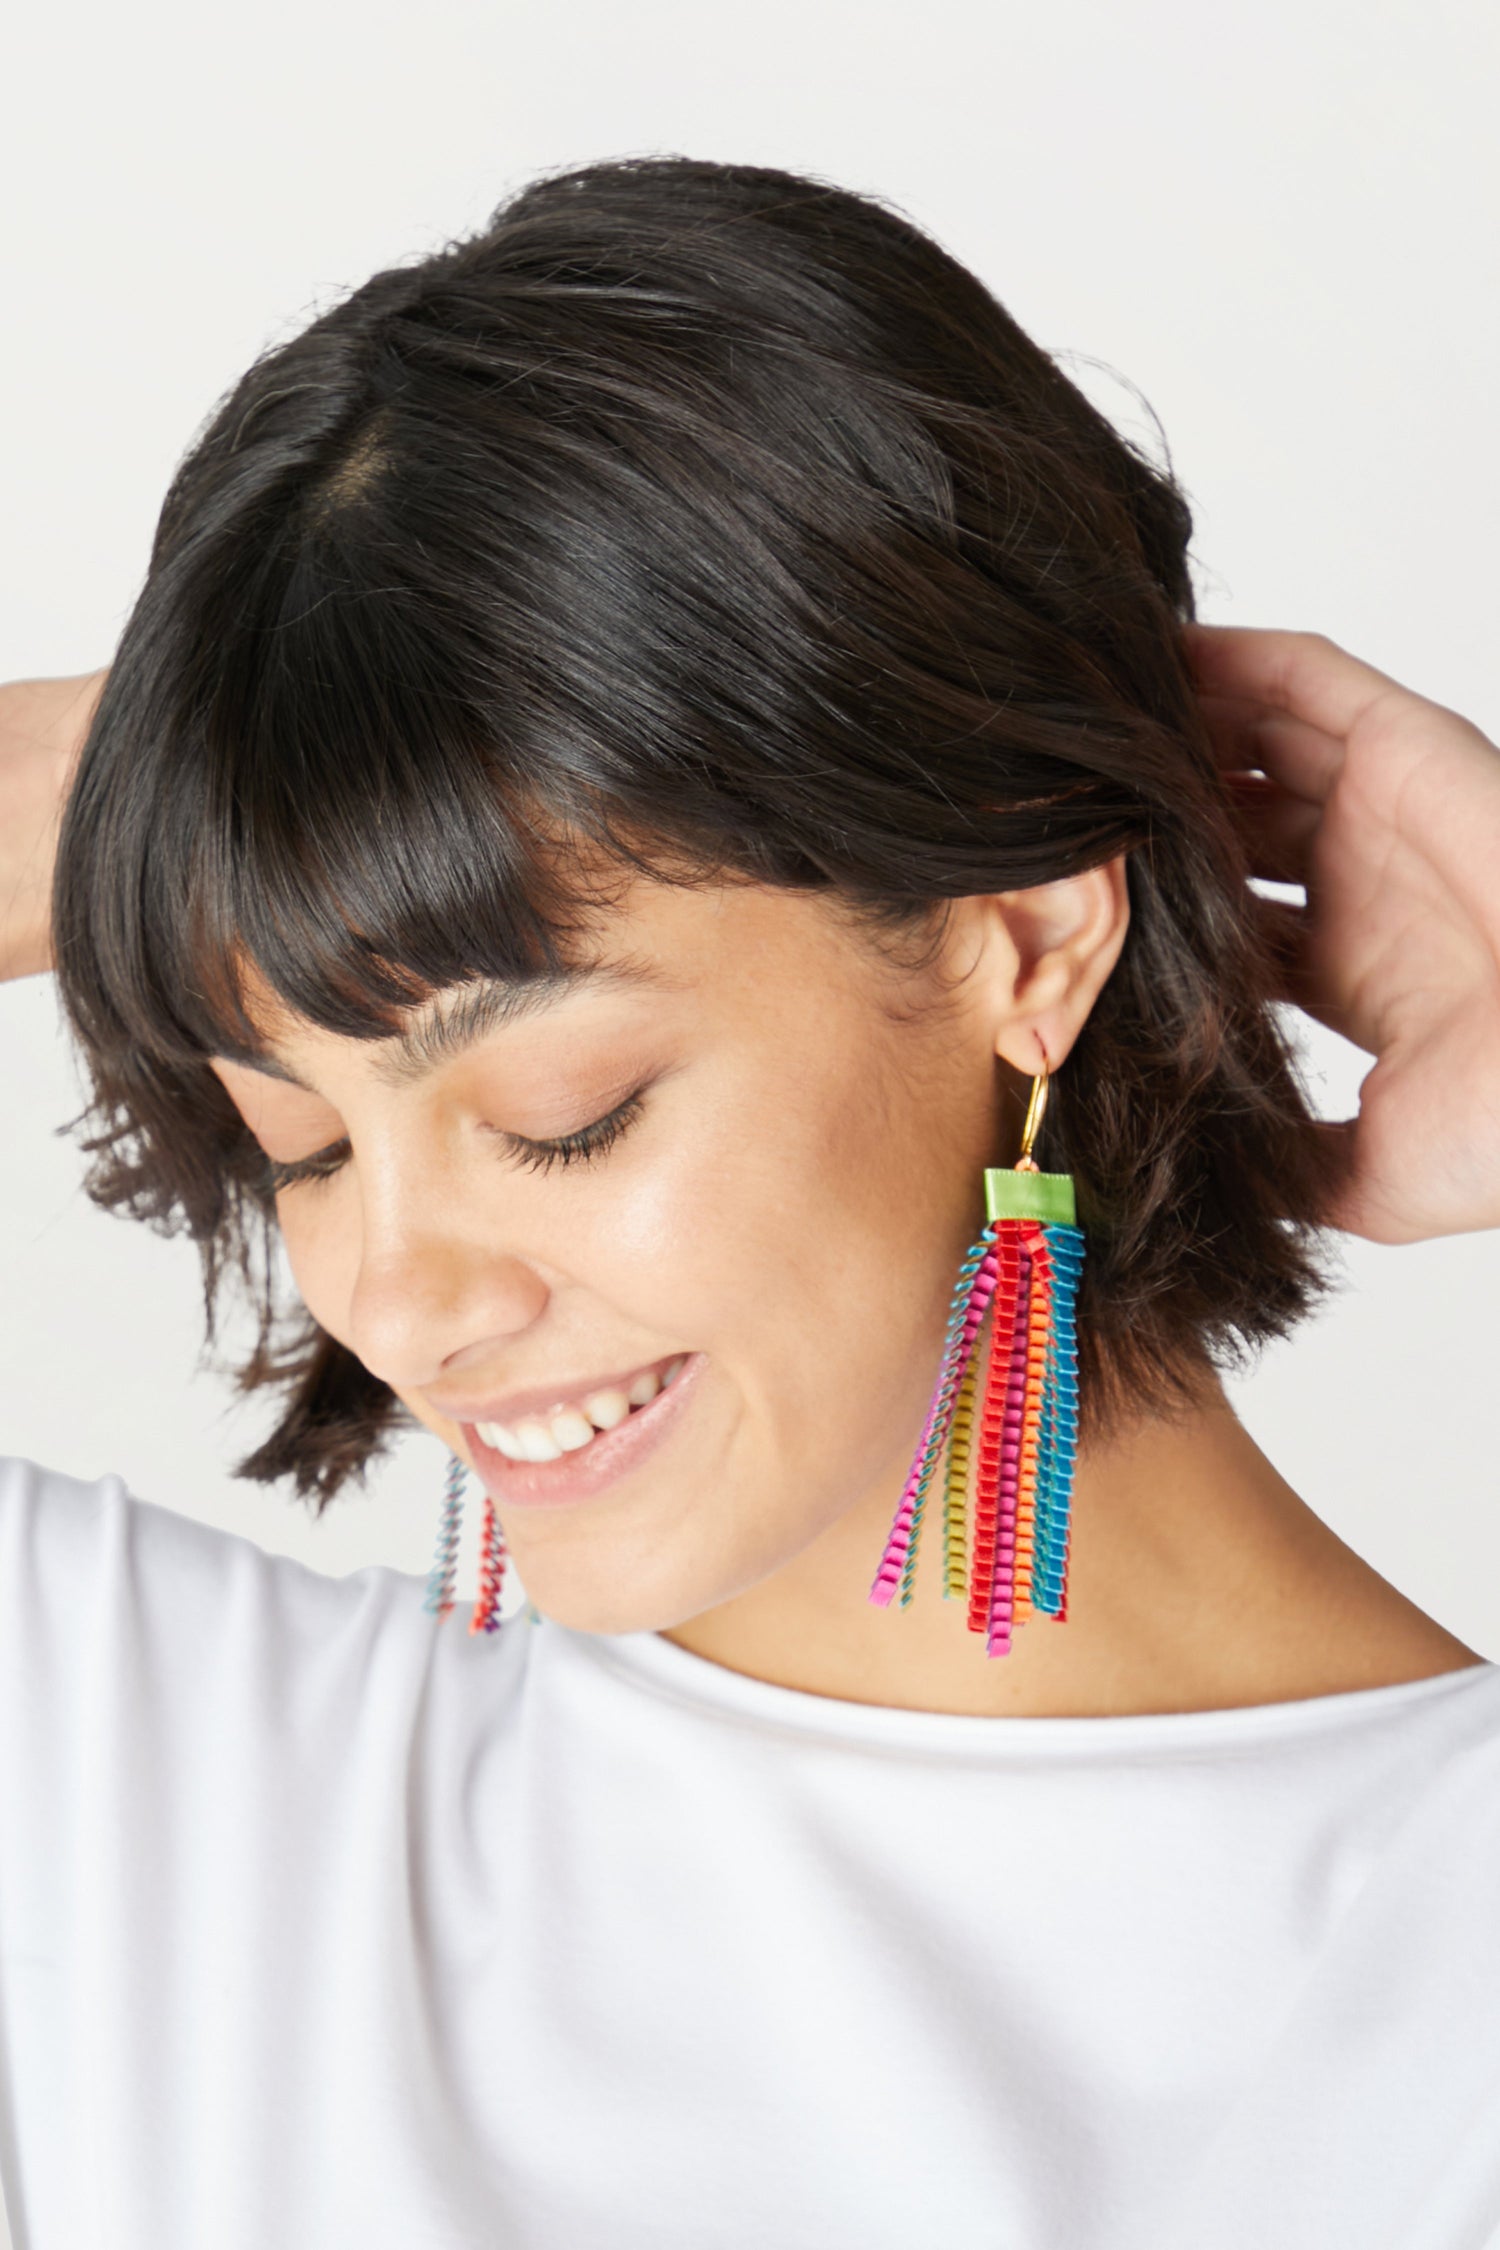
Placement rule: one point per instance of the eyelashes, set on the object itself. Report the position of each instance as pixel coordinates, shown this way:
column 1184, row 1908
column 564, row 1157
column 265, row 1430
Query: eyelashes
column 588, row 1143
column 577, row 1148
column 320, row 1166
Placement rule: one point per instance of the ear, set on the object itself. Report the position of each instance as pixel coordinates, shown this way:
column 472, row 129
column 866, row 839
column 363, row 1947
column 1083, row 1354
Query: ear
column 1056, row 945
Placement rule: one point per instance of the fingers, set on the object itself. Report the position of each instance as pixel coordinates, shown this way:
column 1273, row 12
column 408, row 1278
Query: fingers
column 1346, row 1207
column 1250, row 737
column 1304, row 675
column 1285, row 926
column 1277, row 829
column 1355, row 1204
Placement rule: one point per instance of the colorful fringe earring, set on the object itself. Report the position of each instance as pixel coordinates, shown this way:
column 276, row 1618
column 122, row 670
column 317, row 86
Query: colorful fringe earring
column 492, row 1557
column 1017, row 1437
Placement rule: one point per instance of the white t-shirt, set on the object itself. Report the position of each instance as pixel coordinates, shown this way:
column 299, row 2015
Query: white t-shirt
column 325, row 1926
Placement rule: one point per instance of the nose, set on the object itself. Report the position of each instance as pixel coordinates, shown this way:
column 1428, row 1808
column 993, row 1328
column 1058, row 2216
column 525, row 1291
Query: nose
column 431, row 1293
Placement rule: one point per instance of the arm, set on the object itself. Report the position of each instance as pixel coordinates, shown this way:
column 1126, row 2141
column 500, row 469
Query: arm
column 42, row 728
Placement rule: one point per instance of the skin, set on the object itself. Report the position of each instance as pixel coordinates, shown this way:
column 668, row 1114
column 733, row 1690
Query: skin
column 42, row 727
column 800, row 1185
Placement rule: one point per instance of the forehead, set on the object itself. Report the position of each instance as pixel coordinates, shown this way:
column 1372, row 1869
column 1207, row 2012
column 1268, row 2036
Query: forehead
column 723, row 940
column 452, row 1021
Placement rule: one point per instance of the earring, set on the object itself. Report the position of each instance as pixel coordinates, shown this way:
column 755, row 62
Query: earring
column 1023, row 1270
column 486, row 1617
column 439, row 1599
column 492, row 1556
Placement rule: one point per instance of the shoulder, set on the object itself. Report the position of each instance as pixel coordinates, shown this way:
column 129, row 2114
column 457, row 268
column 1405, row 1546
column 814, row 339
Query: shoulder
column 88, row 1565
column 137, row 1641
column 53, row 1525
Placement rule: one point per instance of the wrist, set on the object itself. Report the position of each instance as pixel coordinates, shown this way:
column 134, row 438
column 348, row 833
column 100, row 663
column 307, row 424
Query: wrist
column 43, row 725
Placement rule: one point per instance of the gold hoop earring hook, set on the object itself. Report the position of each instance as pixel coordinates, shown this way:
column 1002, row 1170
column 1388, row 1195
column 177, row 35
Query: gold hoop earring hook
column 1036, row 1110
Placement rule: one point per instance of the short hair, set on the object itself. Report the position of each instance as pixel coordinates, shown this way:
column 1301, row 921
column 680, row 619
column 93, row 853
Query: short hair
column 719, row 516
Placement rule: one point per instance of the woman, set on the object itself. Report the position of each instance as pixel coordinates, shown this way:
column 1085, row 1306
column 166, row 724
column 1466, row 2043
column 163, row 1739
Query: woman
column 658, row 746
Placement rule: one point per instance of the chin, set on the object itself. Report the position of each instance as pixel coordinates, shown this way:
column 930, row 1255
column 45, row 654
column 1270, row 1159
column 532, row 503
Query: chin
column 651, row 1604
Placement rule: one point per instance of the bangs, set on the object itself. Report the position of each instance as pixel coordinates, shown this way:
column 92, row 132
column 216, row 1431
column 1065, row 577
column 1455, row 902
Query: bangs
column 342, row 833
column 334, row 818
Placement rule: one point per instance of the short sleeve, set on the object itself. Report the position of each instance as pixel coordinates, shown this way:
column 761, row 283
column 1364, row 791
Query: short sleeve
column 189, row 1727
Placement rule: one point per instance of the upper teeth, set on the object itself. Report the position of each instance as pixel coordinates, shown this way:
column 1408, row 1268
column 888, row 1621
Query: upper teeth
column 548, row 1437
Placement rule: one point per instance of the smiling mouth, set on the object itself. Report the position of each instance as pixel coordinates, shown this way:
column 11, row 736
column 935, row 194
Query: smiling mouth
column 571, row 1428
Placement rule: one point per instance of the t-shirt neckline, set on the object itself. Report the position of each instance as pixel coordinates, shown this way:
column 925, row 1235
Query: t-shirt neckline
column 651, row 1661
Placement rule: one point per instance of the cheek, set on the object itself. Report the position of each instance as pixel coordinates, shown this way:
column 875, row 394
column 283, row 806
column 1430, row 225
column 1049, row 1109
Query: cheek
column 807, row 1235
column 320, row 1236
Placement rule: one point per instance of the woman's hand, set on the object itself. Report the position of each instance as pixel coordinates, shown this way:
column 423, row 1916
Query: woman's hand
column 42, row 727
column 1387, row 809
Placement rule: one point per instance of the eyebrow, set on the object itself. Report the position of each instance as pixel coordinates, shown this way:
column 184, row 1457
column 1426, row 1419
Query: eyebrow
column 491, row 1004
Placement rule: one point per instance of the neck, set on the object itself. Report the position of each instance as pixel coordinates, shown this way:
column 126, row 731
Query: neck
column 1198, row 1580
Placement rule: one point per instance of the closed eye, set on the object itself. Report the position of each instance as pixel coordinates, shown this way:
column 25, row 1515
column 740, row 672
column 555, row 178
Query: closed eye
column 577, row 1148
column 321, row 1165
column 573, row 1148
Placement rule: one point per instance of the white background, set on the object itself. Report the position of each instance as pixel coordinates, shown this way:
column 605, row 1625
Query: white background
column 1278, row 221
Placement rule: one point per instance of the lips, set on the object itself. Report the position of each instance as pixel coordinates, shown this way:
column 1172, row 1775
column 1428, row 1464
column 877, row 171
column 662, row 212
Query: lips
column 604, row 1459
column 566, row 1428
column 511, row 1407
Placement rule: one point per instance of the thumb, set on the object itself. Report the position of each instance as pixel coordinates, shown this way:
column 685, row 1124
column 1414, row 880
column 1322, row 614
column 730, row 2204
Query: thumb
column 1352, row 1202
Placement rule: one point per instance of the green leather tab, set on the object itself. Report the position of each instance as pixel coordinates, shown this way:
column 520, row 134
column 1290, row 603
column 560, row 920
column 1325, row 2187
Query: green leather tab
column 1030, row 1195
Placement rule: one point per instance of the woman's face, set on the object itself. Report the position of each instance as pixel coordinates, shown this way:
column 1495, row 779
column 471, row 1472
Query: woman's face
column 794, row 1181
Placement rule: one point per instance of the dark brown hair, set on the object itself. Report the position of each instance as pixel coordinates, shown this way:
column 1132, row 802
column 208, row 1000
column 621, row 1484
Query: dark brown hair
column 719, row 516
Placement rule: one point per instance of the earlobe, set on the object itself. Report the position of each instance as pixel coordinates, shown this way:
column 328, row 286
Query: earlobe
column 1067, row 937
